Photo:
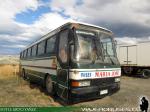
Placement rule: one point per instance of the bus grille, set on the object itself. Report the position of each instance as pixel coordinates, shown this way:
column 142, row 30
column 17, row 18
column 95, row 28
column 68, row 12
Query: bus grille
column 102, row 82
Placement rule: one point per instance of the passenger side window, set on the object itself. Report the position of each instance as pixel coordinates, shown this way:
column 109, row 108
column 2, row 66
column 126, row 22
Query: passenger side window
column 50, row 48
column 25, row 53
column 41, row 48
column 34, row 48
column 63, row 46
column 21, row 55
column 29, row 52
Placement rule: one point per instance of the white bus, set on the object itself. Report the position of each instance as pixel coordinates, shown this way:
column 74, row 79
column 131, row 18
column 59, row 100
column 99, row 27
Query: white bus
column 76, row 61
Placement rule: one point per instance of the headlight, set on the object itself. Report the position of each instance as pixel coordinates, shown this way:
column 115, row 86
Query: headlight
column 117, row 79
column 84, row 83
column 80, row 83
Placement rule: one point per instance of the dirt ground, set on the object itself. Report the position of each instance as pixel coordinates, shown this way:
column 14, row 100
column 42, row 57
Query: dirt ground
column 14, row 91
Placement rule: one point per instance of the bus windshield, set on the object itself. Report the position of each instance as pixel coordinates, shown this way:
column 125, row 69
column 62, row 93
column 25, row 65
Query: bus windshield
column 107, row 44
column 108, row 48
column 95, row 48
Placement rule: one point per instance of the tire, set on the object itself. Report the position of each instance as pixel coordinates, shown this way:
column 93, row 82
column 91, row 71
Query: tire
column 49, row 85
column 146, row 73
column 127, row 70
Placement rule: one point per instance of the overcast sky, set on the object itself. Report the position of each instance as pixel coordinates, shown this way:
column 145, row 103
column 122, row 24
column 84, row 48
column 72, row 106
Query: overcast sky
column 24, row 21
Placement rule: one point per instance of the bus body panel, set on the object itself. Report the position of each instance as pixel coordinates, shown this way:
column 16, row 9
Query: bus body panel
column 39, row 68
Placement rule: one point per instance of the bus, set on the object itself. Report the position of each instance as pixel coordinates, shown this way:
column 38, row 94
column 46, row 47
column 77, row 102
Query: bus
column 76, row 61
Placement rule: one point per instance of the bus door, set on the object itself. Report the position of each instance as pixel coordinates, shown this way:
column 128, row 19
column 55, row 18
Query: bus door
column 63, row 65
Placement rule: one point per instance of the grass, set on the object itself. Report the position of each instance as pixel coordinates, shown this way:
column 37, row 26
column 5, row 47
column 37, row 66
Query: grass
column 14, row 91
column 17, row 92
column 9, row 70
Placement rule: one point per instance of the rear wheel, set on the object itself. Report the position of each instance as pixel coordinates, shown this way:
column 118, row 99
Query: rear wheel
column 49, row 85
column 127, row 70
column 146, row 73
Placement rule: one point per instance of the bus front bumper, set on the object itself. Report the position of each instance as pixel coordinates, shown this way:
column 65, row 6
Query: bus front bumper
column 92, row 92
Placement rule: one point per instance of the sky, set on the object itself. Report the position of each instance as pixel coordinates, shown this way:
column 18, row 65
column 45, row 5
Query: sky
column 24, row 21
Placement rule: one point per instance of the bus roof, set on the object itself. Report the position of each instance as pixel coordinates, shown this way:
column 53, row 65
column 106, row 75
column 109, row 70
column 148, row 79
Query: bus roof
column 87, row 24
column 52, row 32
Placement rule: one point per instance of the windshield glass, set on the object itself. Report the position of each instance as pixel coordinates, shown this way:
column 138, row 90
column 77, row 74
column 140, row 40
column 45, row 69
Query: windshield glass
column 87, row 50
column 107, row 44
column 108, row 48
column 94, row 47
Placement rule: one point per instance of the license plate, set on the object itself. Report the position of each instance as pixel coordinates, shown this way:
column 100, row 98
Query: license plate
column 102, row 92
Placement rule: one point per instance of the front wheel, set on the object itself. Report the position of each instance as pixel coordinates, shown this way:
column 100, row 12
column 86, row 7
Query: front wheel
column 49, row 85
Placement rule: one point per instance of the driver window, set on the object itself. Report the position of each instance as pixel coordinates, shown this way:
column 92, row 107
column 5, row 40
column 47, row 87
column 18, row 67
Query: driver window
column 63, row 44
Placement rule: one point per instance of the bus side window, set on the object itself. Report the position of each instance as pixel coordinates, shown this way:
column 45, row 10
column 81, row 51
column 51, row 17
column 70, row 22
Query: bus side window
column 21, row 55
column 63, row 46
column 34, row 49
column 25, row 53
column 29, row 52
column 41, row 48
column 50, row 48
